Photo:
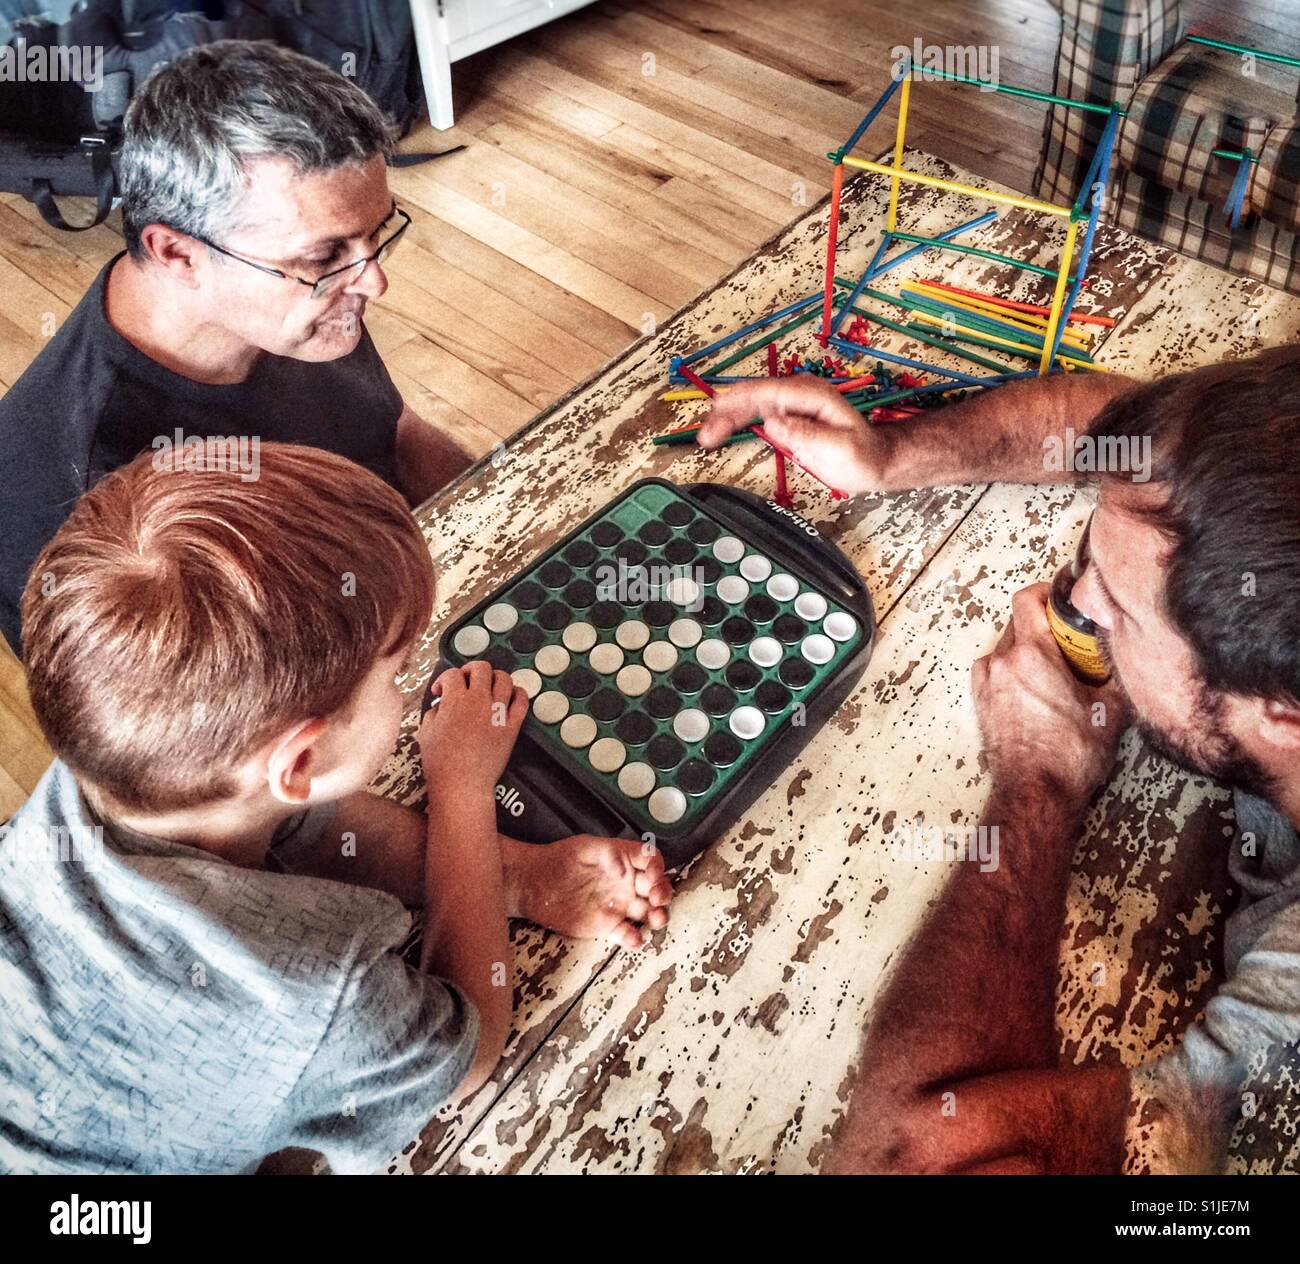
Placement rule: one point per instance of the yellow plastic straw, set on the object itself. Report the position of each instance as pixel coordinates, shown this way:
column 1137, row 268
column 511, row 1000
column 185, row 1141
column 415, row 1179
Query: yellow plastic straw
column 1058, row 297
column 1062, row 353
column 898, row 152
column 1006, row 199
column 1029, row 321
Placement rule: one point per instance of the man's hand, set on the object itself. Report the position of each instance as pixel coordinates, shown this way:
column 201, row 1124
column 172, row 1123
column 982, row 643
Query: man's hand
column 809, row 418
column 467, row 737
column 593, row 888
column 1039, row 722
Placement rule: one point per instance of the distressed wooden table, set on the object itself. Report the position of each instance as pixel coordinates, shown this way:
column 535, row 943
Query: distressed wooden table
column 726, row 1043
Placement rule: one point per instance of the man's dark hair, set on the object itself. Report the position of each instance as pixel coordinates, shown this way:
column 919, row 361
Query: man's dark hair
column 1225, row 453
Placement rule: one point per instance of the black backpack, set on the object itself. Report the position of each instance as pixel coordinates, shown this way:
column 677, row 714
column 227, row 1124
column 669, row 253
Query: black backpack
column 57, row 139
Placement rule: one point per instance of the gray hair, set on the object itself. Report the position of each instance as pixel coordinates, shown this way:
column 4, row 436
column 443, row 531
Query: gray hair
column 196, row 120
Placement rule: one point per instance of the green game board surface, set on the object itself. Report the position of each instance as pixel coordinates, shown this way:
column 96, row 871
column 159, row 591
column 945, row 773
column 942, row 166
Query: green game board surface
column 659, row 687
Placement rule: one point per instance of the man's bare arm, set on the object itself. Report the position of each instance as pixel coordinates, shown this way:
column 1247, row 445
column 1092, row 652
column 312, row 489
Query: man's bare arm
column 992, row 435
column 427, row 457
column 959, row 1069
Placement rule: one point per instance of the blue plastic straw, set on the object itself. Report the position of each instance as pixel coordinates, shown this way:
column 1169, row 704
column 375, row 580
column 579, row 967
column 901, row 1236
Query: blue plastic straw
column 870, row 116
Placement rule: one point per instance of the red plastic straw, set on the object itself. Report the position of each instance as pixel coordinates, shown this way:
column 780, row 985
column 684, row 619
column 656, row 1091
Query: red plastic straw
column 837, row 187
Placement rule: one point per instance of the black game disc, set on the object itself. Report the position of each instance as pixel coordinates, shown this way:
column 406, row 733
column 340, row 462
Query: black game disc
column 633, row 552
column 605, row 535
column 743, row 675
column 580, row 682
column 789, row 628
column 717, row 699
column 501, row 658
column 607, row 614
column 580, row 594
column 654, row 533
column 555, row 574
column 635, row 728
column 528, row 595
column 677, row 514
column 704, row 531
column 662, row 702
column 761, row 608
column 689, row 678
column 713, row 610
column 695, row 776
column 581, row 553
column 772, row 696
column 554, row 615
column 737, row 631
column 722, row 749
column 658, row 614
column 665, row 751
column 526, row 639
column 796, row 673
column 679, row 552
column 710, row 570
column 606, row 704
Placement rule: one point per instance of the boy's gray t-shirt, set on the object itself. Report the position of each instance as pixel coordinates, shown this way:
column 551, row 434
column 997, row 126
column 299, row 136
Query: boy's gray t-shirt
column 165, row 1011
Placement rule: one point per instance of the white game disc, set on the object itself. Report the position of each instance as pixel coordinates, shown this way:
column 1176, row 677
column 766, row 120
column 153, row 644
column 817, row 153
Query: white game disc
column 579, row 637
column 817, row 648
column 527, row 680
column 634, row 680
column 727, row 549
column 578, row 730
column 810, row 606
column 765, row 651
column 667, row 804
column 636, row 780
column 755, row 568
column 747, row 722
column 782, row 587
column 471, row 640
column 550, row 707
column 840, row 626
column 732, row 589
column 713, row 653
column 500, row 617
column 684, row 633
column 691, row 725
column 681, row 590
column 551, row 660
column 660, row 656
column 607, row 754
column 606, row 658
column 632, row 634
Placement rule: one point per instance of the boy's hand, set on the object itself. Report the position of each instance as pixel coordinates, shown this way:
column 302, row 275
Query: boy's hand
column 1040, row 724
column 810, row 419
column 466, row 738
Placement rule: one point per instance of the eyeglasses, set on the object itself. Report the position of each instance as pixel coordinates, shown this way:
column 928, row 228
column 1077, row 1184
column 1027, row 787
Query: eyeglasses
column 331, row 281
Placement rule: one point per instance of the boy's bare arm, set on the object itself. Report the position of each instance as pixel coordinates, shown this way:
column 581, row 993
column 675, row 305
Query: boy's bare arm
column 991, row 436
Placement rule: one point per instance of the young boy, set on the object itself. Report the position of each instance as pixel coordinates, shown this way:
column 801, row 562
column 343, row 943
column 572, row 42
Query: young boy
column 200, row 905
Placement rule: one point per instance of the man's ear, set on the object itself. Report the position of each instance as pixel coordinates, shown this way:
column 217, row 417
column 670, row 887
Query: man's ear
column 1279, row 724
column 177, row 254
column 289, row 762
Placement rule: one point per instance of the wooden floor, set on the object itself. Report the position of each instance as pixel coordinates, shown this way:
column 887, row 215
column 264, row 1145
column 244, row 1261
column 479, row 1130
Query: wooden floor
column 618, row 162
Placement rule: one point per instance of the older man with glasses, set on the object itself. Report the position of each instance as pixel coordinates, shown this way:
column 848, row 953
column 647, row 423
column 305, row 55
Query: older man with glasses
column 257, row 217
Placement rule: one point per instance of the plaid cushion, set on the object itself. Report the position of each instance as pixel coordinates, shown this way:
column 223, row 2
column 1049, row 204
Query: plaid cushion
column 1106, row 47
column 1198, row 100
column 1276, row 190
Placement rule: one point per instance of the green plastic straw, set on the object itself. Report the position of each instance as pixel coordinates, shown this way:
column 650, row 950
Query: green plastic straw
column 1241, row 48
column 814, row 313
column 975, row 250
column 933, row 340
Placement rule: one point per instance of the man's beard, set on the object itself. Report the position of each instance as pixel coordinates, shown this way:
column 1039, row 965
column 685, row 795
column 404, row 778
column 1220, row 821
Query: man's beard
column 1204, row 745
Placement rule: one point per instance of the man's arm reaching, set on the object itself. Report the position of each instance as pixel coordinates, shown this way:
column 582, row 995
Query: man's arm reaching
column 990, row 436
column 959, row 1070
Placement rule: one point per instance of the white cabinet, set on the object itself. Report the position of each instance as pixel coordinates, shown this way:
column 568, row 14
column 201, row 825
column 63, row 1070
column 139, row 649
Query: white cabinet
column 447, row 30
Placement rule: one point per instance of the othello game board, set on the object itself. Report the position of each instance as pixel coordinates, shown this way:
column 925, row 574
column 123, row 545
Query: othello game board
column 678, row 648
